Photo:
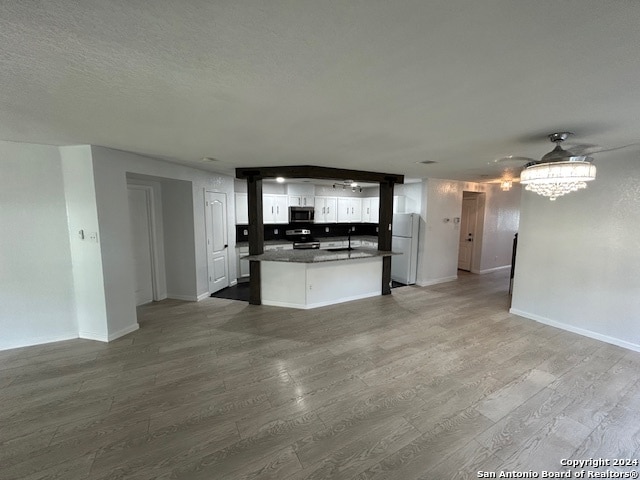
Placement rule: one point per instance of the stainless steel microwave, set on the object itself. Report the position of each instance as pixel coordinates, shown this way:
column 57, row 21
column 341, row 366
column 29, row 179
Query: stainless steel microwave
column 300, row 214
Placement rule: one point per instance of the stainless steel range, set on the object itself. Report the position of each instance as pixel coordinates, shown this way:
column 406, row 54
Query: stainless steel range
column 302, row 239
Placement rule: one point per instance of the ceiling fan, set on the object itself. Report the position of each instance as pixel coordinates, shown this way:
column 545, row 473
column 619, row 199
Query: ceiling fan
column 560, row 171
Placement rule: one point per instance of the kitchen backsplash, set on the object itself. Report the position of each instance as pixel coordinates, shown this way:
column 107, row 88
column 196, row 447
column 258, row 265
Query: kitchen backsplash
column 277, row 232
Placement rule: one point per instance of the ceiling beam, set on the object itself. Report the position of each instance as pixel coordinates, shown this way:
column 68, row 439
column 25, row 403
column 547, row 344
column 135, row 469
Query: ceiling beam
column 321, row 173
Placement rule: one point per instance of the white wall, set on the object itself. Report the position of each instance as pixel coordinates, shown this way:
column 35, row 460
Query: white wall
column 579, row 257
column 110, row 171
column 179, row 241
column 501, row 221
column 36, row 282
column 439, row 240
column 80, row 196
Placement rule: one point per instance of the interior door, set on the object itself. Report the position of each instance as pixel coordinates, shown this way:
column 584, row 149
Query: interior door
column 140, row 222
column 217, row 245
column 467, row 232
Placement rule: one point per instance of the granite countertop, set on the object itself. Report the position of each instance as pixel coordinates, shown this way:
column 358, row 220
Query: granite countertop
column 371, row 238
column 317, row 256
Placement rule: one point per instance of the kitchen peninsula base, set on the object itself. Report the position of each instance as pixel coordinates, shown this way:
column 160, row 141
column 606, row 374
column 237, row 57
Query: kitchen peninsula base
column 303, row 279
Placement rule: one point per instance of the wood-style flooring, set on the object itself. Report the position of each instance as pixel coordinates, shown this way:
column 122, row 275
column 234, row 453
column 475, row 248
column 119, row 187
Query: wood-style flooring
column 428, row 383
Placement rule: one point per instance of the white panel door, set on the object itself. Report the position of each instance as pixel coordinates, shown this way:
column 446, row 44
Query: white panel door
column 467, row 232
column 217, row 247
column 140, row 221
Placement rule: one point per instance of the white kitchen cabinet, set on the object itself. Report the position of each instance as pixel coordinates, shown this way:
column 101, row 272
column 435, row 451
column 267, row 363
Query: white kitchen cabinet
column 324, row 244
column 284, row 246
column 275, row 208
column 301, row 200
column 326, row 210
column 243, row 265
column 370, row 209
column 349, row 210
column 242, row 209
column 399, row 204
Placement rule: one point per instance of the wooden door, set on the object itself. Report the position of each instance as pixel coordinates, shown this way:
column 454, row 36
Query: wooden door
column 467, row 232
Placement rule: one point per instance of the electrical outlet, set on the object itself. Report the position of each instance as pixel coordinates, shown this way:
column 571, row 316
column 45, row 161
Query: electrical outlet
column 326, row 229
column 275, row 231
column 245, row 231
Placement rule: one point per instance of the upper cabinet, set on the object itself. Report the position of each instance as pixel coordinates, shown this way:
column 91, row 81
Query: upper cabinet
column 275, row 208
column 301, row 200
column 349, row 209
column 301, row 194
column 242, row 209
column 370, row 209
column 325, row 210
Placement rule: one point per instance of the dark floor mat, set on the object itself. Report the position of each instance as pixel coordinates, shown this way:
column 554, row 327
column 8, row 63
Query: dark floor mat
column 236, row 292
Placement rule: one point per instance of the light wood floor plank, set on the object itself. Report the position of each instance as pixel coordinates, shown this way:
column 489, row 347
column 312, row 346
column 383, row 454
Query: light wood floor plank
column 428, row 383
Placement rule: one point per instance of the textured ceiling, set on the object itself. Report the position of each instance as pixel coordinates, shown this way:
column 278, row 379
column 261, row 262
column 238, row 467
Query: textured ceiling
column 361, row 84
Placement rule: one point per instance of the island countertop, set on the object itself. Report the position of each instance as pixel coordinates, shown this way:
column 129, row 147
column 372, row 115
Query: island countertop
column 318, row 256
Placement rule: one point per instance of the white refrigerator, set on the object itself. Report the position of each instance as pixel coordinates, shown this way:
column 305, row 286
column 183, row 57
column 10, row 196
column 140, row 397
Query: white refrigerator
column 405, row 241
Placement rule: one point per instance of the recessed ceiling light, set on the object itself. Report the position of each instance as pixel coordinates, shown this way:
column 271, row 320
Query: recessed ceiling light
column 209, row 159
column 280, row 179
column 427, row 162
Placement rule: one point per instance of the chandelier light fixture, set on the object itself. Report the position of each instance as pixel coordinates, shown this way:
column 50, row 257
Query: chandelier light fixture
column 506, row 185
column 559, row 172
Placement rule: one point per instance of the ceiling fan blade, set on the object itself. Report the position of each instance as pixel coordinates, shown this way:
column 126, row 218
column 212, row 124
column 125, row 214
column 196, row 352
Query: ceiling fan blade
column 579, row 150
column 514, row 159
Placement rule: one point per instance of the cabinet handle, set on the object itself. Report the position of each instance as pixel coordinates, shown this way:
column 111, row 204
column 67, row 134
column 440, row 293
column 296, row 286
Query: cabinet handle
column 272, row 210
column 278, row 209
column 351, row 210
column 323, row 210
column 304, row 201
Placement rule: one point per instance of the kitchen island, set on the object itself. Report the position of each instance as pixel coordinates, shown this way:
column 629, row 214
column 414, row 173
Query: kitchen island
column 315, row 278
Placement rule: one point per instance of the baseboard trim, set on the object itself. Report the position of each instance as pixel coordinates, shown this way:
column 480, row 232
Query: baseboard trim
column 186, row 298
column 40, row 341
column 437, row 280
column 202, row 296
column 123, row 332
column 98, row 337
column 580, row 331
column 491, row 270
column 233, row 283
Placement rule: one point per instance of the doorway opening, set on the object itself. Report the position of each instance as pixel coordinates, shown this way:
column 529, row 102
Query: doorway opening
column 143, row 240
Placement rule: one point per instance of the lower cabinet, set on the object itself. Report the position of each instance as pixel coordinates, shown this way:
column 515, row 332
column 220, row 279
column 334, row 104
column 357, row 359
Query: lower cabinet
column 243, row 265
